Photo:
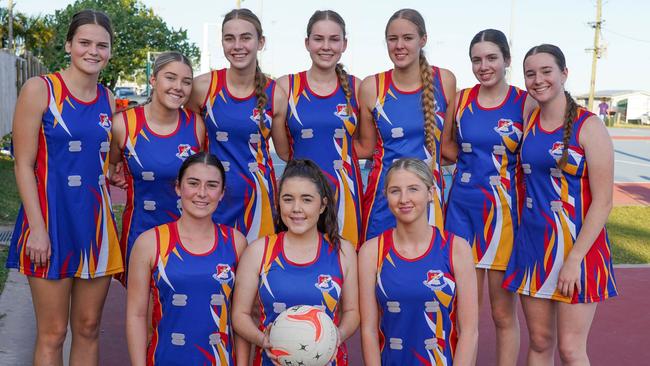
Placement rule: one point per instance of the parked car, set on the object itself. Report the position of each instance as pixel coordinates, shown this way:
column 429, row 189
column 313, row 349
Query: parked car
column 126, row 97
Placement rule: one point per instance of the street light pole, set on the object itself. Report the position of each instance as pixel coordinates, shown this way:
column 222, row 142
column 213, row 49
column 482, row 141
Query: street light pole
column 596, row 55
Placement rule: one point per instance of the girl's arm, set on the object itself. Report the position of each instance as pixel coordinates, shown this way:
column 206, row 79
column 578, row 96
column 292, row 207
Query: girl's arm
column 368, row 303
column 350, row 293
column 31, row 104
column 529, row 105
column 466, row 302
column 200, row 87
column 599, row 152
column 279, row 126
column 246, row 292
column 116, row 163
column 200, row 130
column 449, row 148
column 141, row 261
column 242, row 347
column 366, row 139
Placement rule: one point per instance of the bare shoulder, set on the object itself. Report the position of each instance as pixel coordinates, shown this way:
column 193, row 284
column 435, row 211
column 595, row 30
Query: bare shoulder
column 34, row 87
column 348, row 249
column 283, row 83
column 369, row 248
column 368, row 90
column 240, row 242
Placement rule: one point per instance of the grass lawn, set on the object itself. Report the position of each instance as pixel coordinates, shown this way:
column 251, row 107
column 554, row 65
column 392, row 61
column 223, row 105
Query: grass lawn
column 629, row 234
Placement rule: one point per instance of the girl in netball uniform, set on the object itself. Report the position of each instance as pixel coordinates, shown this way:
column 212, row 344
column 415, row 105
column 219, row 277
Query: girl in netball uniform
column 65, row 239
column 561, row 260
column 417, row 285
column 322, row 118
column 189, row 267
column 403, row 114
column 239, row 105
column 483, row 204
column 153, row 140
column 306, row 263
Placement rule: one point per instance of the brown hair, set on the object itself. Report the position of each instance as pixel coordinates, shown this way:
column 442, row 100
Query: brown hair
column 493, row 36
column 89, row 16
column 426, row 75
column 341, row 74
column 327, row 221
column 571, row 110
column 260, row 78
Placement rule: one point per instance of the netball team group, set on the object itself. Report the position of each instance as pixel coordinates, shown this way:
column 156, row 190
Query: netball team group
column 214, row 246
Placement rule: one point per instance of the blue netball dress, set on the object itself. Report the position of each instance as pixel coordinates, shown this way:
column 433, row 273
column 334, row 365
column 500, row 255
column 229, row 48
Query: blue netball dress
column 239, row 137
column 284, row 284
column 152, row 163
column 556, row 203
column 71, row 168
column 400, row 134
column 417, row 299
column 483, row 204
column 320, row 128
column 191, row 300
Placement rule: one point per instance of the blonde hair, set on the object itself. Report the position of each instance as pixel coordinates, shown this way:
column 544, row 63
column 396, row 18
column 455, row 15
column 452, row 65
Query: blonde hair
column 413, row 165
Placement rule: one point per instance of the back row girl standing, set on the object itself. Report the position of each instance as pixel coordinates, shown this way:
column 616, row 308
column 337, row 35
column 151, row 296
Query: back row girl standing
column 239, row 106
column 322, row 118
column 403, row 114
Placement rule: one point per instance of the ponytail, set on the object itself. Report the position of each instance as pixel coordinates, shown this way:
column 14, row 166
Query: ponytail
column 345, row 85
column 260, row 93
column 428, row 107
column 569, row 117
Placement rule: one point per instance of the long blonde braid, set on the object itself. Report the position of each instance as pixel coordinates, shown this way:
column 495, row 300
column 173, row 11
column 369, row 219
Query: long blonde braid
column 345, row 85
column 569, row 117
column 428, row 107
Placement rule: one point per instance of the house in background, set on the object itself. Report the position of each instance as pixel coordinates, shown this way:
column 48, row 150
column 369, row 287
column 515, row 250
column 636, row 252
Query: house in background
column 626, row 106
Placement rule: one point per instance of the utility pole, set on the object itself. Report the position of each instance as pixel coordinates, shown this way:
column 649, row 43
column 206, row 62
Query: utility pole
column 10, row 27
column 510, row 40
column 596, row 53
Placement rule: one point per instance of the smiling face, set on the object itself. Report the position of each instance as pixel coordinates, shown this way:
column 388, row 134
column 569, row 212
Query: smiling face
column 326, row 44
column 404, row 43
column 488, row 64
column 300, row 205
column 543, row 77
column 408, row 197
column 200, row 189
column 241, row 42
column 89, row 49
column 172, row 85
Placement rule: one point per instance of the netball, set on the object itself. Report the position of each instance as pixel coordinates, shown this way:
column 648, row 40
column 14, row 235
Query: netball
column 303, row 335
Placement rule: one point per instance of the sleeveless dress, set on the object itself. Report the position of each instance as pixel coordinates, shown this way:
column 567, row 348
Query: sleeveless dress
column 240, row 139
column 483, row 204
column 320, row 128
column 400, row 134
column 191, row 300
column 284, row 284
column 417, row 300
column 556, row 203
column 152, row 162
column 71, row 168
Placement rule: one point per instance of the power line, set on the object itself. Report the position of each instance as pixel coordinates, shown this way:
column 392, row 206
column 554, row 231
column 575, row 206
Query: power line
column 626, row 36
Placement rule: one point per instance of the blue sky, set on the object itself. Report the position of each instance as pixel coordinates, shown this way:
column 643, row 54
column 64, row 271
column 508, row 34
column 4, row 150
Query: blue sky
column 450, row 26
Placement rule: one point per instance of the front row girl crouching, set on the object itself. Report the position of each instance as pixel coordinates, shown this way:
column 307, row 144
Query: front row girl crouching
column 417, row 284
column 187, row 267
column 305, row 264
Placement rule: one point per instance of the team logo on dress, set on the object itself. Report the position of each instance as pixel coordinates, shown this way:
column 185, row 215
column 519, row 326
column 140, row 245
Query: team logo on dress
column 435, row 279
column 556, row 150
column 324, row 283
column 185, row 151
column 256, row 116
column 342, row 111
column 505, row 127
column 224, row 273
column 105, row 121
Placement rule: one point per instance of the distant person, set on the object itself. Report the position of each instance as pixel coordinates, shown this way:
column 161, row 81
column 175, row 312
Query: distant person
column 152, row 141
column 561, row 262
column 322, row 118
column 306, row 263
column 65, row 240
column 603, row 109
column 417, row 285
column 484, row 201
column 188, row 266
column 404, row 113
column 239, row 106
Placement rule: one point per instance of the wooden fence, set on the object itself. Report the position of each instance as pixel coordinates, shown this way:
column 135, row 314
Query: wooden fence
column 14, row 72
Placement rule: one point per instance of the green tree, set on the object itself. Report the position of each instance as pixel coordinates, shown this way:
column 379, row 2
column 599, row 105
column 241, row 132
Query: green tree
column 30, row 33
column 137, row 30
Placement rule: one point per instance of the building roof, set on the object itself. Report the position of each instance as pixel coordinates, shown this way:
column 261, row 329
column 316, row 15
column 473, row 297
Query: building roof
column 612, row 93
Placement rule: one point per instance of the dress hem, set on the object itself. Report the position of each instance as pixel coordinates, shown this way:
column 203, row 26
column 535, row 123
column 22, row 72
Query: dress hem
column 580, row 300
column 65, row 275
